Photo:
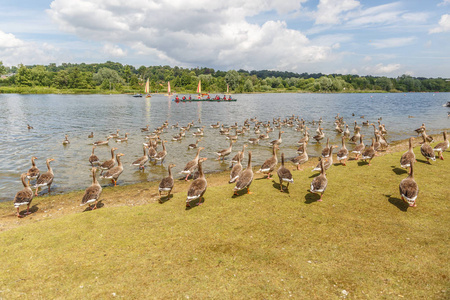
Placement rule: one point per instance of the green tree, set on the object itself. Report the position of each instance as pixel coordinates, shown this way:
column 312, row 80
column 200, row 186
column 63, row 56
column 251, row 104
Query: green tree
column 107, row 74
column 2, row 68
column 23, row 76
column 248, row 86
column 232, row 79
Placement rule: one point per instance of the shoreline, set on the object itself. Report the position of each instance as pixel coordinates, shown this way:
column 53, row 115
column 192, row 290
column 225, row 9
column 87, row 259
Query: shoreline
column 137, row 194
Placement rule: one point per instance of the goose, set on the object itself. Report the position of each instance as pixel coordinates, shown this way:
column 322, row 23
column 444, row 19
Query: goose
column 383, row 143
column 356, row 136
column 45, row 179
column 193, row 146
column 93, row 159
column 161, row 155
column 377, row 144
column 191, row 165
column 100, row 143
column 114, row 172
column 338, row 128
column 199, row 132
column 29, row 127
column 239, row 155
column 427, row 151
column 232, row 137
column 409, row 189
column 253, row 141
column 225, row 152
column 346, row 131
column 236, row 170
column 198, row 186
column 215, row 125
column 277, row 141
column 439, row 148
column 302, row 158
column 124, row 139
column 429, row 138
column 263, row 136
column 420, row 129
column 246, row 177
column 93, row 192
column 175, row 126
column 319, row 136
column 408, row 157
column 24, row 196
column 359, row 148
column 91, row 135
column 167, row 183
column 114, row 135
column 369, row 153
column 328, row 161
column 367, row 123
column 140, row 162
column 326, row 150
column 151, row 152
column 145, row 128
column 304, row 139
column 342, row 154
column 319, row 183
column 269, row 165
column 66, row 140
column 375, row 130
column 33, row 172
column 284, row 174
column 109, row 163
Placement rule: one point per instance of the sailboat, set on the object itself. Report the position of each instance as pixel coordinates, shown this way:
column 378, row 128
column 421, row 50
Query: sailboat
column 147, row 88
column 169, row 93
column 228, row 92
column 199, row 89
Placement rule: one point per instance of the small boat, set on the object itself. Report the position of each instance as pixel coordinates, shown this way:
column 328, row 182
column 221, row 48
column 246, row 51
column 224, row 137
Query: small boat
column 137, row 95
column 169, row 93
column 147, row 89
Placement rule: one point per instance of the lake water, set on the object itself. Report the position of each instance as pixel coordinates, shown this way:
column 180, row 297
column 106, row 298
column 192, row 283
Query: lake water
column 53, row 116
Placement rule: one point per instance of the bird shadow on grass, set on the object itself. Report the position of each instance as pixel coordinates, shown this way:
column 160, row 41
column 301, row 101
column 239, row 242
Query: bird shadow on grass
column 32, row 210
column 195, row 203
column 314, row 175
column 276, row 185
column 164, row 199
column 398, row 171
column 311, row 197
column 362, row 163
column 91, row 207
column 399, row 203
column 423, row 161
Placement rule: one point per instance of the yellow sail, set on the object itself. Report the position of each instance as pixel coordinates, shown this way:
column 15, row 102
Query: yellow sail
column 147, row 86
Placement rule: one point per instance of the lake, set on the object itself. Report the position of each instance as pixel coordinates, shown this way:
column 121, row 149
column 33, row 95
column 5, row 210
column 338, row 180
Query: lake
column 53, row 116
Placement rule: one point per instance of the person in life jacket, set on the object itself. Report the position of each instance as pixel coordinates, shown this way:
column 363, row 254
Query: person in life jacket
column 190, row 98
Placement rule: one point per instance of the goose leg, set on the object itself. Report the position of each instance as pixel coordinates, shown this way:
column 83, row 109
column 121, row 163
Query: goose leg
column 28, row 210
column 248, row 191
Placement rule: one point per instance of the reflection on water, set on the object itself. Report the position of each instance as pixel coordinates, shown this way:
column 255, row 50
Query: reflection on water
column 53, row 116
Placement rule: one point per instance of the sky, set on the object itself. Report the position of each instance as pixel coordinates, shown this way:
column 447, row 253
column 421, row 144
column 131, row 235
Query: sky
column 366, row 37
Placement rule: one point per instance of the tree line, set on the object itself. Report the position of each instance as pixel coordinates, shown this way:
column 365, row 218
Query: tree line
column 113, row 76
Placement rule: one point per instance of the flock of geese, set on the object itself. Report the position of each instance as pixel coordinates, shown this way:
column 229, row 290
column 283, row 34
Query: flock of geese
column 240, row 176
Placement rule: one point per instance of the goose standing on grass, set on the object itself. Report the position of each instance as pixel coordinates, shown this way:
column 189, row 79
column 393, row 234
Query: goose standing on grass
column 25, row 196
column 191, row 165
column 246, row 177
column 109, row 163
column 236, row 170
column 427, row 151
column 140, row 162
column 269, row 165
column 93, row 159
column 408, row 157
column 33, row 172
column 66, row 140
column 409, row 189
column 45, row 179
column 369, row 153
column 225, row 152
column 302, row 158
column 93, row 192
column 114, row 172
column 342, row 154
column 328, row 161
column 161, row 155
column 284, row 174
column 277, row 141
column 439, row 148
column 198, row 186
column 100, row 143
column 167, row 183
column 319, row 183
column 359, row 148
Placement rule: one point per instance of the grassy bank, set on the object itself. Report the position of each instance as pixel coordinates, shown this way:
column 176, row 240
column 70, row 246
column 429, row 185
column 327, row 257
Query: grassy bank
column 362, row 241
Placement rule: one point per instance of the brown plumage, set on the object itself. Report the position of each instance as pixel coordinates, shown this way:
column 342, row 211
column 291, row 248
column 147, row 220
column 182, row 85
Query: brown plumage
column 342, row 154
column 356, row 136
column 23, row 197
column 193, row 146
column 191, row 165
column 93, row 192
column 270, row 164
column 225, row 152
column 240, row 154
column 277, row 141
column 161, row 155
column 141, row 160
column 236, row 170
column 359, row 148
column 319, row 183
column 439, row 148
column 198, row 186
column 409, row 190
column 284, row 174
column 45, row 179
column 369, row 153
column 408, row 157
column 328, row 161
column 167, row 183
column 427, row 151
column 114, row 172
column 320, row 135
column 33, row 172
column 93, row 159
column 99, row 143
column 109, row 163
column 246, row 177
column 302, row 158
column 326, row 150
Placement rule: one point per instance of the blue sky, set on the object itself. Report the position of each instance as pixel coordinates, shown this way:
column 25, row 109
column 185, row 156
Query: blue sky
column 381, row 38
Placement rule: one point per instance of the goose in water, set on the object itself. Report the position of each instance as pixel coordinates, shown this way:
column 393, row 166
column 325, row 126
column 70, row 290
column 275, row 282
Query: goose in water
column 93, row 159
column 109, row 163
column 140, row 162
column 191, row 165
column 161, row 155
column 24, row 196
column 284, row 174
column 225, row 152
column 45, row 179
column 124, row 139
column 320, row 135
column 100, row 143
column 409, row 189
column 93, row 192
column 114, row 172
column 277, row 141
column 66, row 140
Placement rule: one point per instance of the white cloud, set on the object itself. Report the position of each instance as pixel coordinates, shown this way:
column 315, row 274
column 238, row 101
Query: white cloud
column 393, row 42
column 444, row 25
column 330, row 11
column 8, row 40
column 114, row 50
column 381, row 69
column 445, row 2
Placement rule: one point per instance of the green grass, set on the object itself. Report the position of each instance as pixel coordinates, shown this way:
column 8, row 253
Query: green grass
column 361, row 239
